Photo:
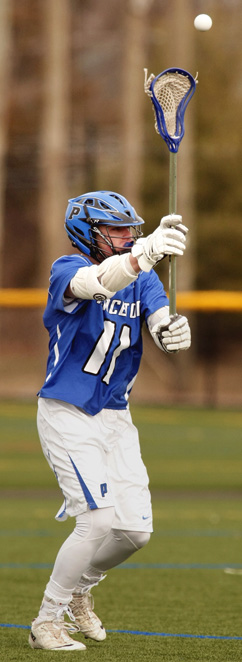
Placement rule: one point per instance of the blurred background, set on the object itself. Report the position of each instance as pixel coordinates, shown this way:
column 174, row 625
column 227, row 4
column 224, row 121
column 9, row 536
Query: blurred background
column 74, row 117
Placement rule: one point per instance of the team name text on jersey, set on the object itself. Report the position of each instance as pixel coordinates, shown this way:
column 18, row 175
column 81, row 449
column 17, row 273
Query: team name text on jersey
column 122, row 308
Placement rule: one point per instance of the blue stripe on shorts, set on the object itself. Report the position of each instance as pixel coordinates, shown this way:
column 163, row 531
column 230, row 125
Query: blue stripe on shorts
column 89, row 498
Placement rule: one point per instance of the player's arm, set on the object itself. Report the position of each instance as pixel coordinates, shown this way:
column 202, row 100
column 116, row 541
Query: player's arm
column 102, row 281
column 169, row 332
column 116, row 272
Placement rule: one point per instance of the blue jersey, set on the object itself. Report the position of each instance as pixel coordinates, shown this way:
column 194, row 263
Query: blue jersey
column 95, row 348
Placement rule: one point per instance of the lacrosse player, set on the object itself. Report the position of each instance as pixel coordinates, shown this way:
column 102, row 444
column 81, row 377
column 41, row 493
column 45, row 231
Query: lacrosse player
column 98, row 299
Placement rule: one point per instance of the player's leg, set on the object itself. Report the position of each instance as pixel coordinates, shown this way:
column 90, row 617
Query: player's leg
column 132, row 524
column 116, row 548
column 72, row 559
column 60, row 430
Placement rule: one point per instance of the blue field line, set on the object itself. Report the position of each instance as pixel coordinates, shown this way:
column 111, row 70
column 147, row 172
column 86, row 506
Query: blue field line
column 18, row 533
column 135, row 566
column 182, row 636
column 147, row 634
column 27, row 566
column 179, row 566
column 199, row 533
column 184, row 533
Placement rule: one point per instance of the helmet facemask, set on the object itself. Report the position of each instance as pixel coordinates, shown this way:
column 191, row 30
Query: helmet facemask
column 100, row 253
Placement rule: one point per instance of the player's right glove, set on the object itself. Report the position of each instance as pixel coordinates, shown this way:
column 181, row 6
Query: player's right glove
column 168, row 239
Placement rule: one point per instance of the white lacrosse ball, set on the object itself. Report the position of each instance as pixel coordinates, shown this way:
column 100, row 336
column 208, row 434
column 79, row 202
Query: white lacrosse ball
column 203, row 22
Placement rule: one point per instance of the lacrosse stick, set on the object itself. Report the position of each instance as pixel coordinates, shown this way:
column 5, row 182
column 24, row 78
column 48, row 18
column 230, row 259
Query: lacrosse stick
column 170, row 92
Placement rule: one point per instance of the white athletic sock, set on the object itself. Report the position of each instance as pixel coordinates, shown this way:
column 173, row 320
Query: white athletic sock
column 52, row 609
column 91, row 578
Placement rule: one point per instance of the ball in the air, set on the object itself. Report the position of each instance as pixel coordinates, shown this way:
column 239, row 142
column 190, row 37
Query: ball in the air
column 203, row 22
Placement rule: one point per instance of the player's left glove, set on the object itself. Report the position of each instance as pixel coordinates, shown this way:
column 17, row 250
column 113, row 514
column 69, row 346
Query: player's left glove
column 168, row 239
column 173, row 333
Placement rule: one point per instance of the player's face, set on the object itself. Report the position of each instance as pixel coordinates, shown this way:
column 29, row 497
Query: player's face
column 120, row 238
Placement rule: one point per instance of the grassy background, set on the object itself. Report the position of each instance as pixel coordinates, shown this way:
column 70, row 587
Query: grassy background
column 178, row 584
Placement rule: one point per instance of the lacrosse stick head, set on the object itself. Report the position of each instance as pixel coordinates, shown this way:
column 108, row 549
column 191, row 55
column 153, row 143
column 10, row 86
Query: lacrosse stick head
column 170, row 92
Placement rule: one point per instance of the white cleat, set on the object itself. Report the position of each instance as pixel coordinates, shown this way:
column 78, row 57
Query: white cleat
column 87, row 621
column 53, row 635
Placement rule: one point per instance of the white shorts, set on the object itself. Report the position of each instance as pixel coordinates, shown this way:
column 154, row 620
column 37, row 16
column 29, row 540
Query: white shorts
column 97, row 462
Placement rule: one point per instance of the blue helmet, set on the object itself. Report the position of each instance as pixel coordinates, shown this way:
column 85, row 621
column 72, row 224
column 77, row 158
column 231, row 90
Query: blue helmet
column 86, row 212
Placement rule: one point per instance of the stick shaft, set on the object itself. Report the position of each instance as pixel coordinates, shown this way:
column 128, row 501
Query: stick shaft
column 172, row 210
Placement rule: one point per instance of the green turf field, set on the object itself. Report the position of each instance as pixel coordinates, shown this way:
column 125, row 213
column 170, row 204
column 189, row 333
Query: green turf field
column 180, row 598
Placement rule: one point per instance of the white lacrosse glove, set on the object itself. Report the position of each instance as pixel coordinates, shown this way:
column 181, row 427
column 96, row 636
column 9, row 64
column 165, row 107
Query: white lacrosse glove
column 168, row 239
column 172, row 334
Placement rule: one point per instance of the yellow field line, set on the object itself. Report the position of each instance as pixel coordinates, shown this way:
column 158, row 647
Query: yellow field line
column 214, row 300
column 206, row 301
column 22, row 298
